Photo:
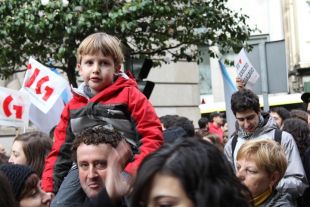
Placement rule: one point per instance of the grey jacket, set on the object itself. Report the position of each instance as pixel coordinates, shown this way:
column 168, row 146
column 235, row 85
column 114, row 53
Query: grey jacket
column 278, row 199
column 294, row 180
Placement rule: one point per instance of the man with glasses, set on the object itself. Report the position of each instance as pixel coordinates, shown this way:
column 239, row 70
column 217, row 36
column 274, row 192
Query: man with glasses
column 252, row 123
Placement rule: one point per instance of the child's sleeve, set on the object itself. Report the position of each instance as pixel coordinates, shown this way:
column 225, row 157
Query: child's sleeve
column 58, row 161
column 147, row 125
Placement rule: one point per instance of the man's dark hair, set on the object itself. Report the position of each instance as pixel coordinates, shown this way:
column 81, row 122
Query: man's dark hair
column 96, row 135
column 215, row 114
column 243, row 100
column 203, row 121
column 168, row 120
column 186, row 124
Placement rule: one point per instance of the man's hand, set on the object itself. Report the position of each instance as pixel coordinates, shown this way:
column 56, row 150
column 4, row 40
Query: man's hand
column 240, row 84
column 117, row 184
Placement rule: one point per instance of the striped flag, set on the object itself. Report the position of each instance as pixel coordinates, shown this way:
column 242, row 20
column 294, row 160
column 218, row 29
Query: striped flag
column 229, row 89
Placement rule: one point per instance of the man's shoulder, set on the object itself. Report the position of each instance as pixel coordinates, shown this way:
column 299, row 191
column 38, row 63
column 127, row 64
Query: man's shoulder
column 284, row 138
column 287, row 137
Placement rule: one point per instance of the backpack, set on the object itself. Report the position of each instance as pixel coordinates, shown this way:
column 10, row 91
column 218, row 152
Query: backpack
column 277, row 138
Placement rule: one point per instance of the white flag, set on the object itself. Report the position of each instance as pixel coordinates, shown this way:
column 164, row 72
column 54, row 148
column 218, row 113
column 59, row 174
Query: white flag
column 43, row 86
column 245, row 70
column 45, row 122
column 14, row 108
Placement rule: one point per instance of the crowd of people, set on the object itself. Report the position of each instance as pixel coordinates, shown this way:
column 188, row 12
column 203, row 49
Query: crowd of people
column 111, row 149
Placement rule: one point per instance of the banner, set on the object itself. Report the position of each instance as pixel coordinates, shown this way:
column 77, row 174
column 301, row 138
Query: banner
column 229, row 89
column 45, row 122
column 14, row 108
column 245, row 70
column 43, row 86
column 66, row 94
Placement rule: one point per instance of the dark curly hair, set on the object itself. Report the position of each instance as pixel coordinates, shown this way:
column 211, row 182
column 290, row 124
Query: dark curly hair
column 96, row 135
column 201, row 168
column 243, row 100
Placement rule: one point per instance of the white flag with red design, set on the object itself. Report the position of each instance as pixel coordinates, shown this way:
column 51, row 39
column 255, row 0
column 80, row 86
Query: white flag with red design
column 14, row 109
column 43, row 86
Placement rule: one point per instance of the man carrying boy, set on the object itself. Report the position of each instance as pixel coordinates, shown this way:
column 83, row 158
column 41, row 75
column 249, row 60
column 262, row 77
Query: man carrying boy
column 107, row 97
column 100, row 154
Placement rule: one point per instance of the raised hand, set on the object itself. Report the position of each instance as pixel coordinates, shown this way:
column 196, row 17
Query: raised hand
column 117, row 183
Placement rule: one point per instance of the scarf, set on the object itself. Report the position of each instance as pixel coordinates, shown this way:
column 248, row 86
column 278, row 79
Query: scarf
column 87, row 91
column 258, row 200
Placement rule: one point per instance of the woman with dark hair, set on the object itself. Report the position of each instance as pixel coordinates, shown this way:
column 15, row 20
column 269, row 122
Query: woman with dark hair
column 30, row 149
column 189, row 173
column 299, row 129
column 299, row 114
column 279, row 114
column 26, row 186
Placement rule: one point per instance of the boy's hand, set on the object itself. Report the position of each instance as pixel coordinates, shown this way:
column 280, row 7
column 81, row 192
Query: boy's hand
column 240, row 84
column 118, row 185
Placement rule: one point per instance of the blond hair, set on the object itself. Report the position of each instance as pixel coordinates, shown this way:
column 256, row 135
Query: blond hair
column 101, row 42
column 267, row 154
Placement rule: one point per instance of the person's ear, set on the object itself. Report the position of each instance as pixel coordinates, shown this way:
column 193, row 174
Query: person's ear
column 118, row 68
column 259, row 112
column 275, row 177
column 79, row 68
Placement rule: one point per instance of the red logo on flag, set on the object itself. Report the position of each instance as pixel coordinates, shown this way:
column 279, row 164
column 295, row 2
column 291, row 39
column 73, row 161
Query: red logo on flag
column 240, row 61
column 6, row 108
column 48, row 90
column 29, row 66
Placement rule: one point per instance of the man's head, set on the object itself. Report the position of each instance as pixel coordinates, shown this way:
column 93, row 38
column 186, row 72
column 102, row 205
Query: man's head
column 91, row 149
column 216, row 118
column 168, row 121
column 245, row 106
column 203, row 123
column 305, row 97
column 99, row 57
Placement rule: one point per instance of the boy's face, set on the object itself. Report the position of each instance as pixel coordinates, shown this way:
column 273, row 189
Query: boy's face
column 97, row 71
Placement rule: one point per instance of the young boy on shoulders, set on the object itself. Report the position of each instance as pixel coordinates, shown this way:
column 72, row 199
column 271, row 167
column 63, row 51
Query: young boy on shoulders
column 106, row 97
